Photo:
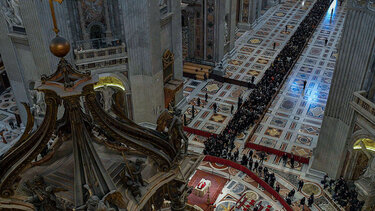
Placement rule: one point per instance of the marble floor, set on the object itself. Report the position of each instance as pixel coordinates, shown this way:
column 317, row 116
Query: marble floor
column 7, row 109
column 229, row 184
column 293, row 122
column 253, row 54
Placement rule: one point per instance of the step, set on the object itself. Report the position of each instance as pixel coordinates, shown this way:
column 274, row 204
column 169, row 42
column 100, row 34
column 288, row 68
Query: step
column 198, row 65
column 195, row 68
column 195, row 72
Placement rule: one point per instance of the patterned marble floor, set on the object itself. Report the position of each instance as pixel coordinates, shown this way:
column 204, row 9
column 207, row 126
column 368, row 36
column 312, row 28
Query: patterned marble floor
column 293, row 122
column 238, row 183
column 7, row 109
column 253, row 54
column 254, row 49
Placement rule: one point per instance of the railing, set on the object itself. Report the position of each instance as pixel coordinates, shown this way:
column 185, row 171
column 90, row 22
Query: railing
column 98, row 43
column 99, row 58
column 363, row 105
column 253, row 176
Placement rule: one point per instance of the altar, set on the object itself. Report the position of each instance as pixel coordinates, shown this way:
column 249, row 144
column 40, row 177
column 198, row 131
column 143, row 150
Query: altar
column 202, row 187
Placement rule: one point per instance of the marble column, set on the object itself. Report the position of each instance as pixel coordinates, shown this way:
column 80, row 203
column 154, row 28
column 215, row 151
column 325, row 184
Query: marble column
column 27, row 56
column 108, row 32
column 142, row 32
column 176, row 38
column 232, row 24
column 13, row 66
column 248, row 14
column 351, row 69
column 219, row 31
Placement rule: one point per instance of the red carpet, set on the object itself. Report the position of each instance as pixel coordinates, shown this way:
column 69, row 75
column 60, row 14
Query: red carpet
column 217, row 184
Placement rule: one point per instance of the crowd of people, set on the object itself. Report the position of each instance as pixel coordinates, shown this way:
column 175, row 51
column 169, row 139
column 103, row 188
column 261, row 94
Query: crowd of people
column 250, row 111
column 342, row 193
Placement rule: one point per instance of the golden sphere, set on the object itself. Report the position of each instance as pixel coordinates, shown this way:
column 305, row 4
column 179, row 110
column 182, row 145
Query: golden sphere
column 59, row 46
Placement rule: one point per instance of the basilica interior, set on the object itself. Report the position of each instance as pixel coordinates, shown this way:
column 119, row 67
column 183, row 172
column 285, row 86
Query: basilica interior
column 197, row 105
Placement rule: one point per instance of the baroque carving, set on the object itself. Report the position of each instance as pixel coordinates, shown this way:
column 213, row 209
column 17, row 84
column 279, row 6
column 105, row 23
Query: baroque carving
column 11, row 11
column 370, row 170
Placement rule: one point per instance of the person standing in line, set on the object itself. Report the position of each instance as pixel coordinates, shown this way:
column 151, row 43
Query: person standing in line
column 304, row 84
column 286, row 28
column 292, row 161
column 198, row 101
column 256, row 164
column 206, row 97
column 302, row 203
column 251, row 163
column 274, row 45
column 192, row 112
column 262, row 157
column 215, row 107
column 285, row 159
column 277, row 189
column 231, row 109
column 251, row 153
column 310, row 201
column 325, row 42
column 300, row 185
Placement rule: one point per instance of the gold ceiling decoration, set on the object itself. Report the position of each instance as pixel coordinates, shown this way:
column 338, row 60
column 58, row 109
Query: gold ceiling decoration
column 369, row 144
column 109, row 81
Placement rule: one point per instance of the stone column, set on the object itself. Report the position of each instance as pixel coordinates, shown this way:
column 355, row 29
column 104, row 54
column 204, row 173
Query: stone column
column 232, row 24
column 85, row 33
column 14, row 66
column 108, row 32
column 219, row 33
column 259, row 8
column 176, row 38
column 248, row 14
column 142, row 32
column 355, row 52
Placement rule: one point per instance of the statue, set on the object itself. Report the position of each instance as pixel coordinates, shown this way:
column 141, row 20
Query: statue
column 93, row 203
column 176, row 133
column 162, row 3
column 132, row 178
column 39, row 106
column 42, row 195
column 107, row 98
column 172, row 126
column 370, row 170
column 11, row 11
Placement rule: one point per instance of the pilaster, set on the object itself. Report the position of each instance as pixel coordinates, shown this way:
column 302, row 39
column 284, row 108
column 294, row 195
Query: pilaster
column 142, row 32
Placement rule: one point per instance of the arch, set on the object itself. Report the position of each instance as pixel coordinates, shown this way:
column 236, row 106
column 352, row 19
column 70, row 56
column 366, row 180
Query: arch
column 120, row 99
column 369, row 144
column 113, row 79
column 357, row 161
column 96, row 26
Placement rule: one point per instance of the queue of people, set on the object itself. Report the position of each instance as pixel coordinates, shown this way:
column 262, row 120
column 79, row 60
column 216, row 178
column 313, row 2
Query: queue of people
column 251, row 110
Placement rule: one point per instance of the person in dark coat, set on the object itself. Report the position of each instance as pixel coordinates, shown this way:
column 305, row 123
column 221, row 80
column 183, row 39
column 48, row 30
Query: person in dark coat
column 300, row 185
column 256, row 164
column 277, row 189
column 284, row 158
column 215, row 107
column 310, row 201
column 302, row 203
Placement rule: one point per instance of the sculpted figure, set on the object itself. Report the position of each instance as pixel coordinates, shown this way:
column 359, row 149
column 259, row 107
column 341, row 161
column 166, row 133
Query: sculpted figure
column 176, row 132
column 10, row 10
column 370, row 170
